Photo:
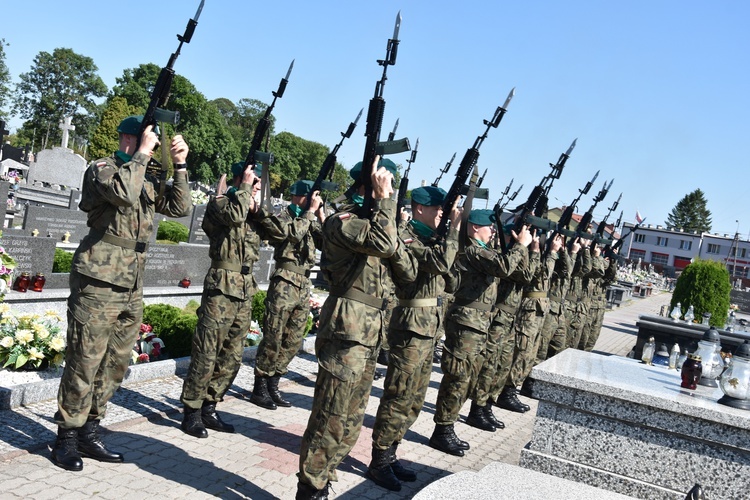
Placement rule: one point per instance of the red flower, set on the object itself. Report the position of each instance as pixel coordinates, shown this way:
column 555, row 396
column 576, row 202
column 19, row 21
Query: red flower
column 143, row 358
column 146, row 328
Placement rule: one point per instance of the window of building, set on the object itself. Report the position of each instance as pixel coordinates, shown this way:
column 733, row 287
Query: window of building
column 713, row 248
column 661, row 241
column 737, row 271
column 659, row 258
column 637, row 254
column 738, row 253
column 640, row 237
column 686, row 245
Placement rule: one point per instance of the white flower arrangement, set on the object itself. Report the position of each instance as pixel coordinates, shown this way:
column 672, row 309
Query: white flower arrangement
column 30, row 339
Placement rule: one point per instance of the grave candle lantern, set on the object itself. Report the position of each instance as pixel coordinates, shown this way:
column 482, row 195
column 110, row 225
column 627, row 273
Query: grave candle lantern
column 708, row 350
column 185, row 282
column 22, row 282
column 38, row 283
column 735, row 381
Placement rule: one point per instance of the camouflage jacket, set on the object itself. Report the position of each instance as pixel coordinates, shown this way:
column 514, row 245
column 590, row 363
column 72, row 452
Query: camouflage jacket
column 474, row 302
column 559, row 281
column 536, row 290
column 581, row 267
column 610, row 276
column 121, row 201
column 510, row 293
column 294, row 240
column 234, row 238
column 435, row 260
column 590, row 282
column 358, row 255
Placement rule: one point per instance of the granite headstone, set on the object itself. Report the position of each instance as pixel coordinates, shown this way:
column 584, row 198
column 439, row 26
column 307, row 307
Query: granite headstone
column 197, row 235
column 55, row 222
column 59, row 166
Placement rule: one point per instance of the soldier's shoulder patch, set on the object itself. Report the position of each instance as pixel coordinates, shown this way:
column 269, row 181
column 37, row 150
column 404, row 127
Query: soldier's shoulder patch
column 344, row 216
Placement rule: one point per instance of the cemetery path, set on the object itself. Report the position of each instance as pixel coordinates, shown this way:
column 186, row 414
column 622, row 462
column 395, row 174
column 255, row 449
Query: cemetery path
column 260, row 459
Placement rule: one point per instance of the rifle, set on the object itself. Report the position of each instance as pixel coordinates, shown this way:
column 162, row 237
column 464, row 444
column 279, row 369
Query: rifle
column 159, row 97
column 329, row 164
column 533, row 208
column 599, row 235
column 255, row 154
column 610, row 251
column 444, row 170
column 404, row 184
column 392, row 133
column 498, row 209
column 563, row 225
column 589, row 215
column 373, row 146
column 468, row 163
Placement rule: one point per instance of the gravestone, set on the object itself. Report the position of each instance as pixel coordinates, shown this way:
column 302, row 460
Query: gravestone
column 265, row 265
column 32, row 255
column 4, row 187
column 197, row 235
column 742, row 299
column 55, row 222
column 166, row 265
column 59, row 166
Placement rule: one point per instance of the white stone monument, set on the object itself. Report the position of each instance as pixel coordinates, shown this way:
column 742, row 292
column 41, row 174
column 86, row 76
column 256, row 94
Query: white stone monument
column 59, row 165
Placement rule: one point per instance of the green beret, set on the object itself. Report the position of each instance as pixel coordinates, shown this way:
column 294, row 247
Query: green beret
column 356, row 170
column 482, row 217
column 239, row 167
column 301, row 188
column 429, row 196
column 131, row 125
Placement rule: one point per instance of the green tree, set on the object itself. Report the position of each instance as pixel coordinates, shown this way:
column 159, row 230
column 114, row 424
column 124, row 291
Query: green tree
column 58, row 85
column 104, row 140
column 4, row 79
column 704, row 284
column 212, row 147
column 691, row 213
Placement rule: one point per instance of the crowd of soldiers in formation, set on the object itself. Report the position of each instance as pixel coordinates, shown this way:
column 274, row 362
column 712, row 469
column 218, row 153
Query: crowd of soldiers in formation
column 393, row 286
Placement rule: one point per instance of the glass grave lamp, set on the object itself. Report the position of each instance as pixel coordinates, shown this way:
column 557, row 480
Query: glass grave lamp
column 735, row 381
column 708, row 349
column 676, row 312
column 689, row 315
column 706, row 319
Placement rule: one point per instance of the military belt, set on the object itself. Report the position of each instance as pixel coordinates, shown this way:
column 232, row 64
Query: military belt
column 294, row 268
column 572, row 297
column 362, row 297
column 535, row 295
column 230, row 266
column 427, row 302
column 127, row 244
column 507, row 308
column 481, row 306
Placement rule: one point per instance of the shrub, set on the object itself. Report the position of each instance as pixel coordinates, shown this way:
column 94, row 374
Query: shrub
column 259, row 306
column 705, row 285
column 173, row 326
column 191, row 307
column 62, row 261
column 172, row 231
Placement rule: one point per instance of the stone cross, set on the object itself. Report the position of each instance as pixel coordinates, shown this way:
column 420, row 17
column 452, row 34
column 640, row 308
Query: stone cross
column 66, row 127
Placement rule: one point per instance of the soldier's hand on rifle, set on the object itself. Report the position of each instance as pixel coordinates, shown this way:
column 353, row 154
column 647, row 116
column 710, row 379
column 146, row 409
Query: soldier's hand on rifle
column 315, row 201
column 576, row 245
column 557, row 242
column 249, row 177
column 178, row 150
column 455, row 216
column 404, row 215
column 525, row 237
column 382, row 181
column 534, row 247
column 149, row 140
column 597, row 250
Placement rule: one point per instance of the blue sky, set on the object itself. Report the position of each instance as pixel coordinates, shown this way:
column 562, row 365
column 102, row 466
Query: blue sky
column 655, row 91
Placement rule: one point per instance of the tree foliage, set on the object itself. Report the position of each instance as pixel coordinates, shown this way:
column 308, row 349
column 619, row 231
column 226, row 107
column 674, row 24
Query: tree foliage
column 4, row 79
column 58, row 85
column 704, row 284
column 691, row 213
column 104, row 139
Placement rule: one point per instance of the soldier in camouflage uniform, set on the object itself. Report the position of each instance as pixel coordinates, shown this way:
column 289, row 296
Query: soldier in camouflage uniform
column 575, row 307
column 610, row 276
column 105, row 306
column 231, row 224
column 591, row 294
column 294, row 234
column 467, row 323
column 357, row 252
column 412, row 333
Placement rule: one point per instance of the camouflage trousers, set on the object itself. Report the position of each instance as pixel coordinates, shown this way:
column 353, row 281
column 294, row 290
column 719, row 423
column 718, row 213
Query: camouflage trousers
column 526, row 329
column 594, row 327
column 342, row 389
column 577, row 313
column 103, row 325
column 498, row 357
column 553, row 337
column 284, row 322
column 218, row 344
column 463, row 357
column 405, row 387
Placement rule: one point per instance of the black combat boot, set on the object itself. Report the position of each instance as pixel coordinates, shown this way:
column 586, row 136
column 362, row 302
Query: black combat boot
column 260, row 395
column 307, row 492
column 192, row 423
column 508, row 400
column 65, row 453
column 212, row 420
column 491, row 416
column 527, row 388
column 478, row 419
column 90, row 445
column 273, row 390
column 380, row 470
column 444, row 439
column 401, row 472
